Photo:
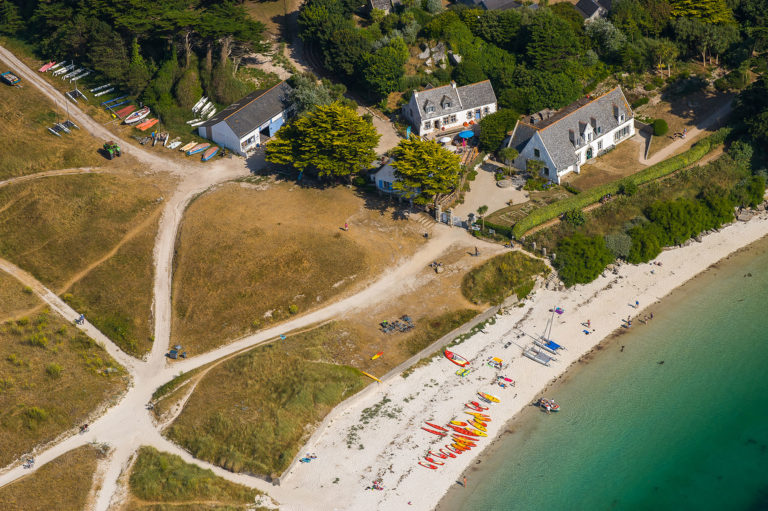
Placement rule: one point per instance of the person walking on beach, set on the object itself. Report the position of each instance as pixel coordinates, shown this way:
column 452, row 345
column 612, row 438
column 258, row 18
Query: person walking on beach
column 465, row 482
column 589, row 323
column 637, row 304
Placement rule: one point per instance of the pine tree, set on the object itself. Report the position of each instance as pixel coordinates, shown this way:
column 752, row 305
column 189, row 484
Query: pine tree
column 10, row 19
column 138, row 74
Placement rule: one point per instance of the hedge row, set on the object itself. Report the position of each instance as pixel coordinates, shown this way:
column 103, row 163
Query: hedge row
column 504, row 230
column 584, row 199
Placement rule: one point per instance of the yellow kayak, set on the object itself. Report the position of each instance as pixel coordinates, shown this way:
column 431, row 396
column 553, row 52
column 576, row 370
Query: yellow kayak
column 459, row 423
column 476, row 431
column 488, row 397
column 371, row 376
column 484, row 418
column 477, row 425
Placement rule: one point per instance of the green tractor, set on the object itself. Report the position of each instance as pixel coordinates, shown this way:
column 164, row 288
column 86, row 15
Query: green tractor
column 112, row 149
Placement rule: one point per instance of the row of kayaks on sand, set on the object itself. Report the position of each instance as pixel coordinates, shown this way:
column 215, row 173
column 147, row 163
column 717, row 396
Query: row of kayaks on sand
column 463, row 433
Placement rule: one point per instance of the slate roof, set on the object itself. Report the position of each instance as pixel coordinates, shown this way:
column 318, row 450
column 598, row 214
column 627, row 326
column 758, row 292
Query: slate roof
column 253, row 110
column 555, row 131
column 587, row 8
column 461, row 98
column 499, row 5
column 384, row 5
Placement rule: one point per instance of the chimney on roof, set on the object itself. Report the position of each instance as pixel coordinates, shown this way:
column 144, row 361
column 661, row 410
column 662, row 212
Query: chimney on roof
column 453, row 84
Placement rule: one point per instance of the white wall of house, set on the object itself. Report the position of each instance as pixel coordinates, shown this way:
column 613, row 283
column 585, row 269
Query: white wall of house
column 535, row 150
column 447, row 122
column 222, row 135
column 583, row 154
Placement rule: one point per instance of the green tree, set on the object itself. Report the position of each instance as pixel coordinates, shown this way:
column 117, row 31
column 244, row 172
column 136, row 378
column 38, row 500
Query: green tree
column 646, row 243
column 581, row 259
column 384, row 68
column 481, row 211
column 425, row 171
column 331, row 140
column 494, row 128
column 138, row 73
column 508, row 154
column 468, row 71
column 606, row 38
column 664, row 52
column 575, row 217
column 627, row 187
column 660, row 127
column 108, row 54
column 752, row 107
column 11, row 22
column 709, row 11
column 551, row 42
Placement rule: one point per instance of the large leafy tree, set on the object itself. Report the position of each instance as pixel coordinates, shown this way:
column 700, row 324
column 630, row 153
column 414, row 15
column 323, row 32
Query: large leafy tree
column 331, row 140
column 551, row 42
column 384, row 68
column 10, row 18
column 709, row 11
column 425, row 171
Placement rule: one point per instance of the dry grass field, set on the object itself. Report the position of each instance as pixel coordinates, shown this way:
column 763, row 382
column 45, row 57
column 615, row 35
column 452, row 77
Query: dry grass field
column 61, row 485
column 160, row 481
column 15, row 299
column 251, row 255
column 52, row 377
column 90, row 238
column 28, row 146
column 277, row 393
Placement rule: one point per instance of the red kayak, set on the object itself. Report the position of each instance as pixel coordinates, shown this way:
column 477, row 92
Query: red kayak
column 447, row 454
column 478, row 405
column 458, row 436
column 438, row 455
column 456, row 358
column 440, row 428
column 429, row 465
column 430, row 460
column 434, row 432
column 463, row 431
column 454, row 449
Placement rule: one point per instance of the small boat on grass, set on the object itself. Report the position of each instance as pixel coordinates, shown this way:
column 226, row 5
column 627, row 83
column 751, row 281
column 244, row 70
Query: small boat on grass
column 210, row 153
column 9, row 78
column 148, row 124
column 456, row 358
column 174, row 145
column 46, row 67
column 187, row 147
column 137, row 115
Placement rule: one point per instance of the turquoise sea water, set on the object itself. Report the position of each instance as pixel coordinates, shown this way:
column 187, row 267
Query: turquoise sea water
column 633, row 434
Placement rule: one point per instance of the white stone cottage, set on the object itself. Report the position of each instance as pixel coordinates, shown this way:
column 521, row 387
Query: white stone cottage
column 449, row 107
column 564, row 140
column 593, row 9
column 249, row 123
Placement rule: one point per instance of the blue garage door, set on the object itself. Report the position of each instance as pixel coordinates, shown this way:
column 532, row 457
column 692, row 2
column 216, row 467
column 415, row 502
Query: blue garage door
column 276, row 125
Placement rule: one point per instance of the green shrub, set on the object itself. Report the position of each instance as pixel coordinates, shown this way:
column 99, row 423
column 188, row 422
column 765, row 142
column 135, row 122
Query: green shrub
column 574, row 217
column 619, row 244
column 53, row 370
column 293, row 308
column 640, row 102
column 501, row 276
column 660, row 127
column 581, row 259
column 33, row 416
column 627, row 187
column 583, row 199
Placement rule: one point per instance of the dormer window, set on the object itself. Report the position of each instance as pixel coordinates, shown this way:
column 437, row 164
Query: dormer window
column 446, row 102
column 621, row 118
column 429, row 108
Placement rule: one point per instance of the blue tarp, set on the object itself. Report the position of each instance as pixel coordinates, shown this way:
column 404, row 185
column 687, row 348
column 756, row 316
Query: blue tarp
column 553, row 345
column 467, row 134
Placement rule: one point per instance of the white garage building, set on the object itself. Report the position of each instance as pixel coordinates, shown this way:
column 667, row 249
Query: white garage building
column 247, row 124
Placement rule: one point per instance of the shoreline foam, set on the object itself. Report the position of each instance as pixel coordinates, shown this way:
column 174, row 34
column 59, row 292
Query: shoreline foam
column 379, row 437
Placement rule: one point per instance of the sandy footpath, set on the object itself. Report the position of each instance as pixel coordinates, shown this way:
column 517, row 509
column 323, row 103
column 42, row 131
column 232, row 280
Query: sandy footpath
column 379, row 435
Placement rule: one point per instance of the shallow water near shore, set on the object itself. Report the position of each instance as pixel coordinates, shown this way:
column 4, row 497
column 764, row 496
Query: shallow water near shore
column 638, row 434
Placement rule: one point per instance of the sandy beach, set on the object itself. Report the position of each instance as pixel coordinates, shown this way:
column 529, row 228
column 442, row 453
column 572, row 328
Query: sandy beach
column 377, row 435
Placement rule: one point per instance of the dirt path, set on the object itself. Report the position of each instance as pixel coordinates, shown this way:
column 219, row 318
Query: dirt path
column 128, row 424
column 85, row 121
column 51, row 173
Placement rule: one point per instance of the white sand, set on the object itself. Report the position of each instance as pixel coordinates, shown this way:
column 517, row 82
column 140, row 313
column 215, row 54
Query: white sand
column 389, row 446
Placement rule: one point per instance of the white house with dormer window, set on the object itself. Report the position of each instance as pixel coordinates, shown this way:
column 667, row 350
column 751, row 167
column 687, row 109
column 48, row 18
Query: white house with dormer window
column 564, row 140
column 449, row 107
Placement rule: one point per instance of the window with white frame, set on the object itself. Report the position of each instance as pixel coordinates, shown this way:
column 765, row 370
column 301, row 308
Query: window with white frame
column 616, row 135
column 427, row 125
column 621, row 117
column 599, row 145
column 446, row 120
column 486, row 110
column 469, row 115
column 453, row 118
column 536, row 153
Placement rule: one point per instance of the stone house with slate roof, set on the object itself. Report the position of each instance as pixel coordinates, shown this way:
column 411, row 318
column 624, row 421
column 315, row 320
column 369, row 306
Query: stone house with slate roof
column 383, row 5
column 593, row 9
column 247, row 124
column 449, row 107
column 566, row 139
